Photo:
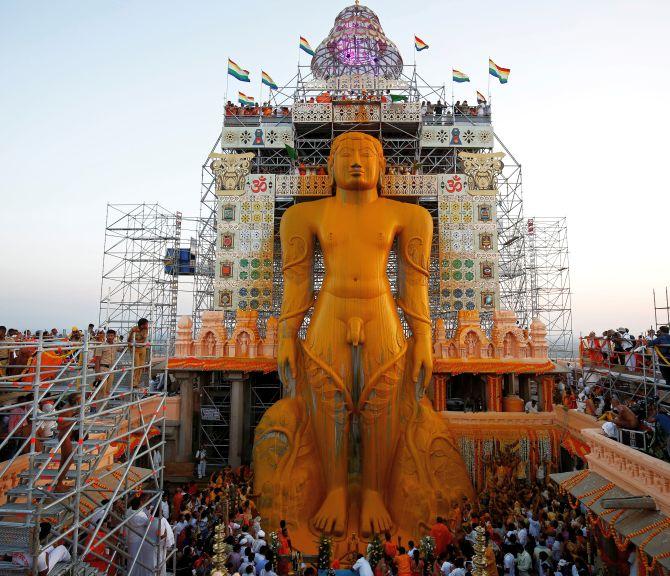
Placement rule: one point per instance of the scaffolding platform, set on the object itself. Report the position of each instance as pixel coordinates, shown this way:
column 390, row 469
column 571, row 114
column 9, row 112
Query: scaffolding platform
column 108, row 433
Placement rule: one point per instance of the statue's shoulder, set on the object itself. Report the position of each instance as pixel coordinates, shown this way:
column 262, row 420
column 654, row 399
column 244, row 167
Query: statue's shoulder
column 406, row 210
column 303, row 213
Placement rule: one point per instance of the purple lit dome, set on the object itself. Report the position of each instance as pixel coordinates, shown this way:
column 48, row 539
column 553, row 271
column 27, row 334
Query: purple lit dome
column 356, row 45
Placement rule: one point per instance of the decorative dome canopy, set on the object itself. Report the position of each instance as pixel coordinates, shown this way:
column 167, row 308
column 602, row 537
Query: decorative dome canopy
column 356, row 45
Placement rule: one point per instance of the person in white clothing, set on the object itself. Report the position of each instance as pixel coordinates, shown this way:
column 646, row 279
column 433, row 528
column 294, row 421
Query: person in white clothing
column 201, row 457
column 165, row 506
column 49, row 557
column 446, row 568
column 531, row 406
column 508, row 564
column 362, row 566
column 260, row 542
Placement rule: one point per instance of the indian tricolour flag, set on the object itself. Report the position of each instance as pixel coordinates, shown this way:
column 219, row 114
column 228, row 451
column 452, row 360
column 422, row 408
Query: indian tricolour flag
column 304, row 45
column 245, row 100
column 499, row 72
column 419, row 44
column 239, row 73
column 458, row 76
column 268, row 81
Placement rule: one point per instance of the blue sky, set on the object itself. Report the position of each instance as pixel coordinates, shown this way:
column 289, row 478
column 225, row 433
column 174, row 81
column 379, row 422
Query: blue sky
column 121, row 101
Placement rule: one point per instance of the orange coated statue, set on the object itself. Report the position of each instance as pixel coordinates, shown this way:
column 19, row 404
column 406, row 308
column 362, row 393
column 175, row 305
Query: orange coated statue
column 355, row 446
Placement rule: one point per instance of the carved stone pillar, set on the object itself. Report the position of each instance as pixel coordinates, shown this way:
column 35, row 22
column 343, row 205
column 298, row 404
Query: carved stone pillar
column 236, row 430
column 494, row 393
column 440, row 392
column 185, row 444
column 547, row 393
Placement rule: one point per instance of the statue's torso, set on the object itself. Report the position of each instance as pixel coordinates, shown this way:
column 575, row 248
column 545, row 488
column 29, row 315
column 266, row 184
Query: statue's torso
column 356, row 241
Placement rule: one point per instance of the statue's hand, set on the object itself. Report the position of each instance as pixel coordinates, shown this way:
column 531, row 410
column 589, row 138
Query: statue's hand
column 422, row 357
column 287, row 357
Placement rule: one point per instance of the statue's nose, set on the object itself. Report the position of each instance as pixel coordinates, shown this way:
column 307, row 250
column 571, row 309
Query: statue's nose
column 356, row 165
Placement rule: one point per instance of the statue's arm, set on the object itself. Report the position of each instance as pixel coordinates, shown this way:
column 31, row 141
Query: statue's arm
column 414, row 243
column 297, row 244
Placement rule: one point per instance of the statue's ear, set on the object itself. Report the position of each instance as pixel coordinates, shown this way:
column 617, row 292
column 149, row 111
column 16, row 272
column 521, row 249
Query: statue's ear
column 331, row 175
column 382, row 171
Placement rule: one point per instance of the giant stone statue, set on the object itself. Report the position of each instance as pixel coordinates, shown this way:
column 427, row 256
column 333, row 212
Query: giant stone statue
column 355, row 446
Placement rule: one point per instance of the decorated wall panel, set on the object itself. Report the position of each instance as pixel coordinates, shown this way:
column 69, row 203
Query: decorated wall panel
column 351, row 112
column 409, row 185
column 401, row 112
column 312, row 112
column 467, row 244
column 458, row 136
column 307, row 185
column 245, row 245
column 256, row 136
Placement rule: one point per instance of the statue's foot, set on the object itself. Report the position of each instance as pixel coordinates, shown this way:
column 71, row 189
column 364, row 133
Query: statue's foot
column 332, row 516
column 375, row 518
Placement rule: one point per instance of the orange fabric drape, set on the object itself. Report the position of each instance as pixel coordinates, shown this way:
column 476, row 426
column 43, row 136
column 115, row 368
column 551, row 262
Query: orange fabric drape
column 490, row 366
column 264, row 365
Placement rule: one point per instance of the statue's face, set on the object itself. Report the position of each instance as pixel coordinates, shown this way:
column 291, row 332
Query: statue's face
column 356, row 165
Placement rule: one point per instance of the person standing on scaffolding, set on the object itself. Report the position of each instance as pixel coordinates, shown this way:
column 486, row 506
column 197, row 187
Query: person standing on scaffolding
column 138, row 336
column 201, row 458
column 662, row 345
column 103, row 362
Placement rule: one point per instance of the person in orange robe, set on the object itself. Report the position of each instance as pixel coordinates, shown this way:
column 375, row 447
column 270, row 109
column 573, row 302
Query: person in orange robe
column 390, row 549
column 98, row 556
column 176, row 503
column 442, row 535
column 402, row 562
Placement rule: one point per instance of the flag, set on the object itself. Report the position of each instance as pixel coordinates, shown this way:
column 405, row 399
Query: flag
column 419, row 44
column 458, row 76
column 304, row 45
column 480, row 98
column 268, row 81
column 292, row 153
column 245, row 100
column 398, row 97
column 500, row 73
column 237, row 72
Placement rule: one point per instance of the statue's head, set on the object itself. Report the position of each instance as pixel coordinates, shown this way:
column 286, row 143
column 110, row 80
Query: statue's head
column 356, row 162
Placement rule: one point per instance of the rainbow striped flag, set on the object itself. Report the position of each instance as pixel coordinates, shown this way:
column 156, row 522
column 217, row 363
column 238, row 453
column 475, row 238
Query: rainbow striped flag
column 240, row 73
column 304, row 45
column 245, row 100
column 419, row 44
column 499, row 72
column 480, row 98
column 458, row 76
column 268, row 81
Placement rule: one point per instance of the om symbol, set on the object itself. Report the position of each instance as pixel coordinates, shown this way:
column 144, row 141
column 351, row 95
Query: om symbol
column 454, row 184
column 259, row 185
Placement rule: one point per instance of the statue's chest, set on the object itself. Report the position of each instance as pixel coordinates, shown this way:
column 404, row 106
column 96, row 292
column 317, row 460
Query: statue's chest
column 354, row 231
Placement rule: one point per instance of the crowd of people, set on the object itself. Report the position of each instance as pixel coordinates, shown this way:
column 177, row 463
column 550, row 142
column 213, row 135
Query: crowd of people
column 437, row 111
column 621, row 415
column 531, row 530
column 621, row 348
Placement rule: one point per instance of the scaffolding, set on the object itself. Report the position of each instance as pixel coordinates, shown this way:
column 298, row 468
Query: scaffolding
column 139, row 272
column 661, row 311
column 401, row 141
column 549, row 279
column 84, row 439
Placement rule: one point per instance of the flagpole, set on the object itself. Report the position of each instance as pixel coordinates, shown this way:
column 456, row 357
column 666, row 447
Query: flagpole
column 488, row 87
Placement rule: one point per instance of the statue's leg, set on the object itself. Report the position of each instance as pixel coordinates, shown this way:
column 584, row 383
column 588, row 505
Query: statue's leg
column 329, row 406
column 379, row 416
